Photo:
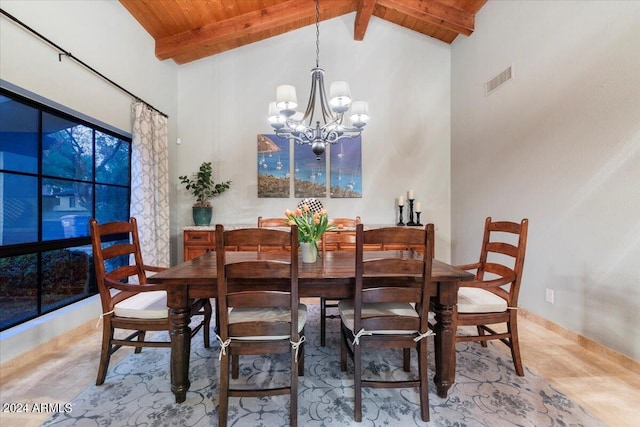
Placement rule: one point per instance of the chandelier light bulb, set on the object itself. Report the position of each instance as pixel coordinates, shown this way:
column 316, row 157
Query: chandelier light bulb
column 297, row 117
column 359, row 113
column 298, row 124
column 339, row 96
column 286, row 97
column 273, row 109
column 276, row 119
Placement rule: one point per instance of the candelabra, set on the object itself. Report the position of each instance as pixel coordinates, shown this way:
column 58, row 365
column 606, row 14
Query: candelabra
column 411, row 223
column 418, row 218
column 400, row 223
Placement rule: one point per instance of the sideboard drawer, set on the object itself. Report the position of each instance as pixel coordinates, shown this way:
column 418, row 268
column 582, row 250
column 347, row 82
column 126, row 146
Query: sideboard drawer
column 199, row 237
column 197, row 243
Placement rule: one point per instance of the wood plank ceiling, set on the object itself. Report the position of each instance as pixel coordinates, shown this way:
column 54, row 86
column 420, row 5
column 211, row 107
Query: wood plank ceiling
column 187, row 30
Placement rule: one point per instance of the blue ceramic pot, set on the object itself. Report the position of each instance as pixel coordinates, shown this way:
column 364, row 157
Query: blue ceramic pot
column 202, row 215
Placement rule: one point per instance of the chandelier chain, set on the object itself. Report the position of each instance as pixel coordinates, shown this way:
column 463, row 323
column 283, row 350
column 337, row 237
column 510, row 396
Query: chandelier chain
column 317, row 33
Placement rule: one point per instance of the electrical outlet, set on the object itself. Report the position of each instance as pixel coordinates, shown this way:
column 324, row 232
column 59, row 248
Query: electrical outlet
column 549, row 295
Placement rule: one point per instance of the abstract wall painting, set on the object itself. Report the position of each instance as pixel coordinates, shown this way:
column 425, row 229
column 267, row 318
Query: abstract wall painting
column 274, row 176
column 309, row 173
column 346, row 168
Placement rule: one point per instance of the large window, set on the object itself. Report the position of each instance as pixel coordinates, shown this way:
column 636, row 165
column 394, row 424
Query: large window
column 56, row 172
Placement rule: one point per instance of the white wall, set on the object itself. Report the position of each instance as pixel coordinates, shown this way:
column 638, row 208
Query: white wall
column 102, row 34
column 405, row 77
column 559, row 144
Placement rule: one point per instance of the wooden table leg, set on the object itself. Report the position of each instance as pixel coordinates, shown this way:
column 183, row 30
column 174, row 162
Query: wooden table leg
column 180, row 333
column 445, row 350
column 445, row 342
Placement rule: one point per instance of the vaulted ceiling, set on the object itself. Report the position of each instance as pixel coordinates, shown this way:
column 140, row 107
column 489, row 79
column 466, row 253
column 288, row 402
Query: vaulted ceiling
column 187, row 30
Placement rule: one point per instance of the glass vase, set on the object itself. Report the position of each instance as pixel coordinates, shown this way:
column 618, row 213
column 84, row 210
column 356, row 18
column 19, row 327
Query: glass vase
column 309, row 252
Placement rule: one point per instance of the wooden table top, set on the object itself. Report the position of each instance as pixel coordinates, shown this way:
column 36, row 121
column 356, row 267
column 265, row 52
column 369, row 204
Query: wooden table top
column 332, row 265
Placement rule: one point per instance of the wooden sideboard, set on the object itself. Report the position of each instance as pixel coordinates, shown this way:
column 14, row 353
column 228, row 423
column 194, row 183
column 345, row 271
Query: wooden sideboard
column 199, row 240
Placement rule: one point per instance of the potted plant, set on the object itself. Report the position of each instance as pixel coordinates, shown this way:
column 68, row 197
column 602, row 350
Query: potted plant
column 203, row 188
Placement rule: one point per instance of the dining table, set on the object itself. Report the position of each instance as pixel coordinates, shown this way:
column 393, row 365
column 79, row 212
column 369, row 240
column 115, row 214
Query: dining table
column 332, row 276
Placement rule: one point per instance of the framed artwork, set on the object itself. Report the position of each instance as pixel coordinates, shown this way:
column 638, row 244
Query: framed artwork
column 309, row 173
column 346, row 168
column 274, row 175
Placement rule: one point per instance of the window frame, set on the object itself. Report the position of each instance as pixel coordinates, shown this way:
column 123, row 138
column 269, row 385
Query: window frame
column 41, row 246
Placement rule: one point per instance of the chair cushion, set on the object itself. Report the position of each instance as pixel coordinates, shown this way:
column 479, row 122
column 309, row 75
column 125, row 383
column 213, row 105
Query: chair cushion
column 377, row 309
column 240, row 315
column 478, row 300
column 145, row 305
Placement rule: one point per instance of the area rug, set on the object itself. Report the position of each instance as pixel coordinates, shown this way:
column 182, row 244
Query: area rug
column 487, row 392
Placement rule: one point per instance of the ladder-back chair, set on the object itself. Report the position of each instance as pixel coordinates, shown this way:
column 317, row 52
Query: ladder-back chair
column 390, row 312
column 128, row 301
column 492, row 297
column 332, row 240
column 259, row 308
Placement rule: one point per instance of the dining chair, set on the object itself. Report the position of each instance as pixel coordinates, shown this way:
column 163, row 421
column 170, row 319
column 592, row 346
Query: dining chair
column 335, row 239
column 492, row 297
column 389, row 313
column 260, row 312
column 128, row 301
column 272, row 222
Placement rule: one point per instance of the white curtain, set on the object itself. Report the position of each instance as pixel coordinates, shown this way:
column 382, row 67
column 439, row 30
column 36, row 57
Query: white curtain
column 150, row 183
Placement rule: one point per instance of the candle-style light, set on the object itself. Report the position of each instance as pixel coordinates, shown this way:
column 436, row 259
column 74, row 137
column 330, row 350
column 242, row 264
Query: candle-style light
column 400, row 206
column 418, row 210
column 411, row 200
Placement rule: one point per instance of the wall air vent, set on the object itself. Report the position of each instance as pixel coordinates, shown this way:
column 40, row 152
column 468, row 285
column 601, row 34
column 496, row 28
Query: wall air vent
column 498, row 81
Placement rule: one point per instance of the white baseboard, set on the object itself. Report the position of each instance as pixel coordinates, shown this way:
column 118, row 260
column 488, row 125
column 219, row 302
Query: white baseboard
column 20, row 340
column 582, row 341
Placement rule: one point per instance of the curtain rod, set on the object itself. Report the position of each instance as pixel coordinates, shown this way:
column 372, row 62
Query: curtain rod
column 68, row 54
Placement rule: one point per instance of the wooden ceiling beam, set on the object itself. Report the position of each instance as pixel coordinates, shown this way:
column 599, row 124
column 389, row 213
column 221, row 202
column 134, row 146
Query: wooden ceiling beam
column 227, row 32
column 434, row 12
column 363, row 15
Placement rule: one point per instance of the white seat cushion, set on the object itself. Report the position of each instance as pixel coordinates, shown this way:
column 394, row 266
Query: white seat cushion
column 477, row 300
column 145, row 305
column 241, row 315
column 375, row 310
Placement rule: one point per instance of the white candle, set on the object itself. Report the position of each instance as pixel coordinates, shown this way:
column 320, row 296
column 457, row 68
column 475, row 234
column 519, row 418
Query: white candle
column 418, row 207
column 410, row 194
column 400, row 201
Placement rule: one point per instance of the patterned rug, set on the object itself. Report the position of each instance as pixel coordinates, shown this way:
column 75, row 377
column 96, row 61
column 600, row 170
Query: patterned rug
column 487, row 391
